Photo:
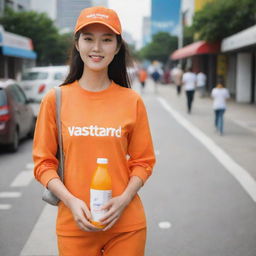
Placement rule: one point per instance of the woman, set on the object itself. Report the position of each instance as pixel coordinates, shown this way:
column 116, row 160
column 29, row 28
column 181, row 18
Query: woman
column 219, row 95
column 96, row 97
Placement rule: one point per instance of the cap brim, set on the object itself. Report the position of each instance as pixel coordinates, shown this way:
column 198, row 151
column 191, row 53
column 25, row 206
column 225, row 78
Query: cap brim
column 98, row 22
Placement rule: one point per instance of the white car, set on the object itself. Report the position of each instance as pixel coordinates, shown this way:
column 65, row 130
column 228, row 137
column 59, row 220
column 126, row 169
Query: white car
column 37, row 81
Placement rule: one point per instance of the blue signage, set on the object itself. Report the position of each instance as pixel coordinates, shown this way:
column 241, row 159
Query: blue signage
column 165, row 16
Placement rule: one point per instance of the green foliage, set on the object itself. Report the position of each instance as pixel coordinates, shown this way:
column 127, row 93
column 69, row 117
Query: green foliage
column 50, row 46
column 162, row 45
column 222, row 18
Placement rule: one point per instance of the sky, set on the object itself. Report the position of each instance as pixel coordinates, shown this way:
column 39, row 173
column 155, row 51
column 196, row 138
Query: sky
column 131, row 13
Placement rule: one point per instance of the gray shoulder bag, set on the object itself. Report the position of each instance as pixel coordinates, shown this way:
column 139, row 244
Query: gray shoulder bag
column 48, row 196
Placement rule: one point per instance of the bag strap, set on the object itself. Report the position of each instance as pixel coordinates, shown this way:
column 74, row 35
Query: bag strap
column 58, row 121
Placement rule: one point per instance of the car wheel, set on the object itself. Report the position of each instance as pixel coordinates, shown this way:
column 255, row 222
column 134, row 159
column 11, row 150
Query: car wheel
column 15, row 143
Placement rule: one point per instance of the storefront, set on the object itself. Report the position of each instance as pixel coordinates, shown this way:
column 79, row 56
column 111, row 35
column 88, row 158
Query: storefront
column 201, row 56
column 240, row 50
column 16, row 54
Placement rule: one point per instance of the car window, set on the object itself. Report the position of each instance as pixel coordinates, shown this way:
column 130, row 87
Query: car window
column 58, row 76
column 3, row 98
column 34, row 76
column 17, row 94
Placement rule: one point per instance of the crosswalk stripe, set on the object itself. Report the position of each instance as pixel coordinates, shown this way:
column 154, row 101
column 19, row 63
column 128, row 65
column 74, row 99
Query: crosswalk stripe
column 5, row 206
column 42, row 240
column 10, row 194
column 22, row 179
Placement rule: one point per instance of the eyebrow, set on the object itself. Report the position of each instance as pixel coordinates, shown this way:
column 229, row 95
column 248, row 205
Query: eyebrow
column 91, row 34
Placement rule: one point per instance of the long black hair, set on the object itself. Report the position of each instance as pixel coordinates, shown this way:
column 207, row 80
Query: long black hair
column 117, row 69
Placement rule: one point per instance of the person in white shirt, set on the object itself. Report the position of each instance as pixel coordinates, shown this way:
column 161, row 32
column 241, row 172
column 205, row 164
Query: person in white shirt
column 201, row 83
column 176, row 75
column 189, row 83
column 219, row 95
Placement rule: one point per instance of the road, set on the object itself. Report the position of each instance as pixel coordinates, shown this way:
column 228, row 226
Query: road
column 195, row 204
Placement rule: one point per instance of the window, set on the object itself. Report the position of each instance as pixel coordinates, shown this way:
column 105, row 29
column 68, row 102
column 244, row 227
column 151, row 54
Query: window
column 3, row 99
column 18, row 94
column 34, row 76
column 59, row 76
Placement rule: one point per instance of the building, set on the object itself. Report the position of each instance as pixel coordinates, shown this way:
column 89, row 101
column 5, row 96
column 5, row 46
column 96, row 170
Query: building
column 146, row 30
column 16, row 5
column 165, row 16
column 233, row 60
column 46, row 6
column 240, row 64
column 16, row 51
column 16, row 54
column 68, row 11
column 200, row 55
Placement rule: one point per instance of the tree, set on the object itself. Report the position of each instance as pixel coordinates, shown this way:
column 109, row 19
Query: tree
column 50, row 46
column 162, row 45
column 222, row 18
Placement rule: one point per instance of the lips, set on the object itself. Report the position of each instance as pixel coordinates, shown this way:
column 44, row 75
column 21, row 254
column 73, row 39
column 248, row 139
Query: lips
column 96, row 58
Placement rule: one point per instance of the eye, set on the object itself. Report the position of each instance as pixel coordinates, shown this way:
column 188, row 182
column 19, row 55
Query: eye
column 107, row 40
column 87, row 38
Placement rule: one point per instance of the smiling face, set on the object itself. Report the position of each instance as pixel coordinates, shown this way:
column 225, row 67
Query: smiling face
column 97, row 45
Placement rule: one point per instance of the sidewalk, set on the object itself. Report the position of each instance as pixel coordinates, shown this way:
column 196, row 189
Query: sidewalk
column 239, row 139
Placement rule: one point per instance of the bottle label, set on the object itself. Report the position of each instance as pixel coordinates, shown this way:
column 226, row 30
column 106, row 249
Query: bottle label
column 98, row 198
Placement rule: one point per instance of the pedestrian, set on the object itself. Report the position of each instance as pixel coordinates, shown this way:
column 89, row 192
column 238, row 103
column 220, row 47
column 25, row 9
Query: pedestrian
column 102, row 117
column 201, row 83
column 189, row 82
column 176, row 75
column 156, row 75
column 142, row 75
column 219, row 95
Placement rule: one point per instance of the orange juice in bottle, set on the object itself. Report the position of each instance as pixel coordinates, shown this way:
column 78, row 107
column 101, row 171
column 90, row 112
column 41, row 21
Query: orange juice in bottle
column 100, row 191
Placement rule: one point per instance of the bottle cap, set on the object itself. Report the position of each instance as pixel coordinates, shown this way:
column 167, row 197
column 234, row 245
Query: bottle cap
column 102, row 160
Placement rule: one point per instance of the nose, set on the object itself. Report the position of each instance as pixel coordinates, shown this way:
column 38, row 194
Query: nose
column 96, row 46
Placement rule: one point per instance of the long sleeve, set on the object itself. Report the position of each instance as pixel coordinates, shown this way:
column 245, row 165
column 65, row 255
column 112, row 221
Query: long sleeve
column 140, row 148
column 45, row 141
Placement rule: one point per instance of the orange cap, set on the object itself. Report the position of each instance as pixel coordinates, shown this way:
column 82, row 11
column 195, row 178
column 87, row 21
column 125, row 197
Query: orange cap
column 99, row 14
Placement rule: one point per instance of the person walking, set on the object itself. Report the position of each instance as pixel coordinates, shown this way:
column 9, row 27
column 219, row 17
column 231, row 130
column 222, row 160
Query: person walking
column 189, row 82
column 201, row 83
column 155, row 72
column 176, row 75
column 102, row 117
column 142, row 75
column 219, row 95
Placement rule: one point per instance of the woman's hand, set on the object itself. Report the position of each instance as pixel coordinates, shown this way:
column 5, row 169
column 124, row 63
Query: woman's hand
column 114, row 207
column 81, row 214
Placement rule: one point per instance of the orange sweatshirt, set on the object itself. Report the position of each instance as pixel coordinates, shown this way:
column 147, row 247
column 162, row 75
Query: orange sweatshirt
column 109, row 124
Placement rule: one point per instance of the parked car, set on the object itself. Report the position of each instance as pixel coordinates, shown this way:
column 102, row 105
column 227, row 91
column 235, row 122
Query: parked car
column 37, row 81
column 17, row 118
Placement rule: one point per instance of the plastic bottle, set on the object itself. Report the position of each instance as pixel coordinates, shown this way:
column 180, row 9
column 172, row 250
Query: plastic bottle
column 100, row 191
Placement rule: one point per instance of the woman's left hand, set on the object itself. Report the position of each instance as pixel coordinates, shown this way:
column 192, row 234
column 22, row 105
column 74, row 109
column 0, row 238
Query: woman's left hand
column 114, row 208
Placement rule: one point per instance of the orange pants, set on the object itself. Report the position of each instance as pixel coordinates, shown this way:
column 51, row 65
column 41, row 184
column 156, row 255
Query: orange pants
column 103, row 243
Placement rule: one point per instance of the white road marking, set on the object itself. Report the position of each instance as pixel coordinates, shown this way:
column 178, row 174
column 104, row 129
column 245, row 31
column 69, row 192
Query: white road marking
column 23, row 179
column 157, row 152
column 42, row 240
column 5, row 206
column 164, row 225
column 237, row 171
column 10, row 194
column 30, row 166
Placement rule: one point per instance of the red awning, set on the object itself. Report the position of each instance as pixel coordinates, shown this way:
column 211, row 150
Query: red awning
column 201, row 47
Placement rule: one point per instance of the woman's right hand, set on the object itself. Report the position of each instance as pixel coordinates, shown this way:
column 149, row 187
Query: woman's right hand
column 81, row 214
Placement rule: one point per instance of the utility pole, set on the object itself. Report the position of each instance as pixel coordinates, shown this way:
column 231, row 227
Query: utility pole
column 1, row 7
